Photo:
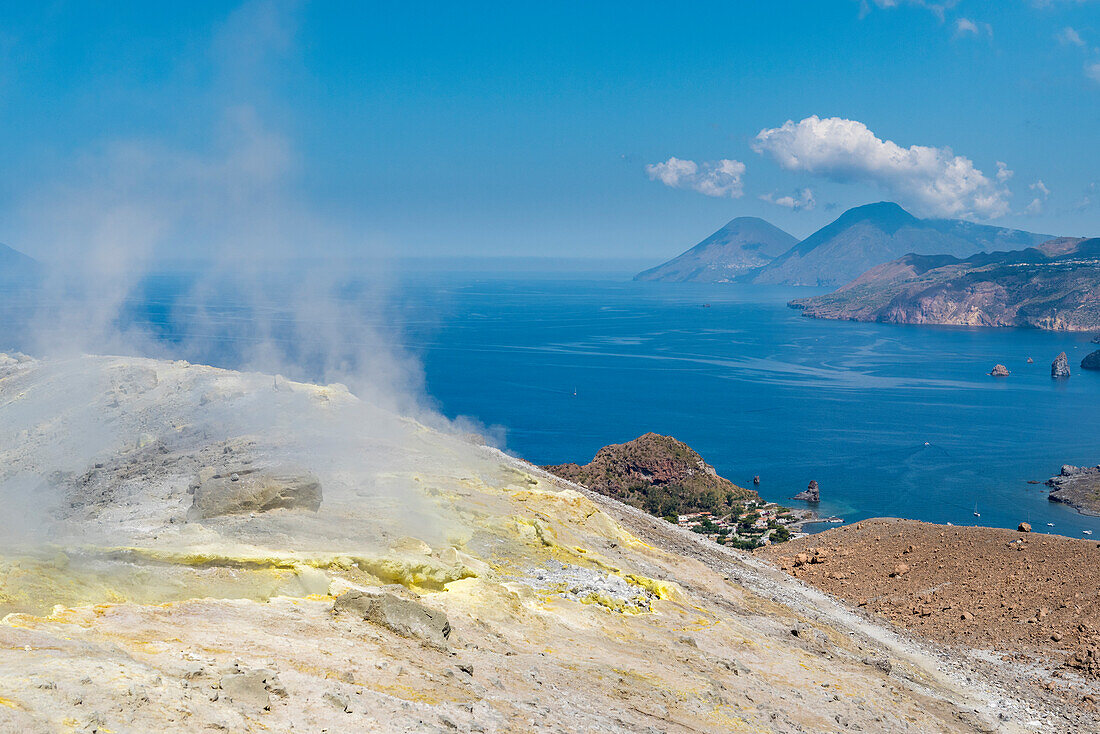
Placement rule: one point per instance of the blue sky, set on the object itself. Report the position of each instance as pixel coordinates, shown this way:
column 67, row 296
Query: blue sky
column 509, row 129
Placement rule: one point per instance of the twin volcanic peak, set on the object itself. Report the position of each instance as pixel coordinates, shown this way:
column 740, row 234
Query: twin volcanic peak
column 744, row 245
column 1055, row 286
column 858, row 240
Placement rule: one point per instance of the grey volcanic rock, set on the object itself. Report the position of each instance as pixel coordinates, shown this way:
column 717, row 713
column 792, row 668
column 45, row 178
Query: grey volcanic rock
column 1060, row 366
column 871, row 235
column 812, row 493
column 1091, row 361
column 1056, row 287
column 1077, row 486
column 743, row 245
column 999, row 370
column 401, row 616
column 248, row 490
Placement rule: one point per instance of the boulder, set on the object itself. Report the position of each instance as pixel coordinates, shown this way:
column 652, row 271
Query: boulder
column 900, row 570
column 250, row 490
column 404, row 617
column 1091, row 361
column 1060, row 366
column 251, row 689
column 999, row 370
column 812, row 493
column 1024, row 527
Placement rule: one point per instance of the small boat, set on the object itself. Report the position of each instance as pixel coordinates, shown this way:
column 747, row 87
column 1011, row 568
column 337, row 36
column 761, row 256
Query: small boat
column 976, row 513
column 1050, row 524
column 1087, row 532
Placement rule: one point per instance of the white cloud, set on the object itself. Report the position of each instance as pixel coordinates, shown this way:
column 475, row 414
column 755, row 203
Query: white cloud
column 1042, row 193
column 1071, row 37
column 1004, row 172
column 964, row 26
column 722, row 178
column 932, row 180
column 938, row 9
column 1092, row 71
column 803, row 199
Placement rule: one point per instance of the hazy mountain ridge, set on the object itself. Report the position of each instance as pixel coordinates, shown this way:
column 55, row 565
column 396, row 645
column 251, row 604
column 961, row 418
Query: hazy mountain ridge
column 873, row 234
column 859, row 239
column 1056, row 286
column 742, row 245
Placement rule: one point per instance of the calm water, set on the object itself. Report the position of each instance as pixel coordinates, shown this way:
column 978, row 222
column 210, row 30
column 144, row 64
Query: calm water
column 890, row 420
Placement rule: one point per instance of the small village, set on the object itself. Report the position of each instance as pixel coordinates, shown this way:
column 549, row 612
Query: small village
column 752, row 525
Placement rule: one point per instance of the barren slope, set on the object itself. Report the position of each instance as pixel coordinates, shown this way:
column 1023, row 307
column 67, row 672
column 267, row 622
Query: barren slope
column 564, row 610
column 1026, row 597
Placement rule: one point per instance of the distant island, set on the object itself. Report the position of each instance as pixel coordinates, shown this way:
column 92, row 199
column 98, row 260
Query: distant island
column 744, row 245
column 1055, row 286
column 746, row 249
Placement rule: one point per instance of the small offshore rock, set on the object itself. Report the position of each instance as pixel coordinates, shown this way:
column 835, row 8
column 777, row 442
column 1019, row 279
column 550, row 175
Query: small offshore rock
column 1060, row 366
column 999, row 370
column 812, row 493
column 1091, row 361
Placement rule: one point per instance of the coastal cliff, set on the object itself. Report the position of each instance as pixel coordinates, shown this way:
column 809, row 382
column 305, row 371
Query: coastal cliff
column 1078, row 487
column 1055, row 286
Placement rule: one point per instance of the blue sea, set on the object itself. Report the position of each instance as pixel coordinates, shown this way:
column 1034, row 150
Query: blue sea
column 890, row 420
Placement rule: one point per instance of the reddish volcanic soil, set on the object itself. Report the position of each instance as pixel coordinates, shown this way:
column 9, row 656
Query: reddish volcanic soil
column 1030, row 597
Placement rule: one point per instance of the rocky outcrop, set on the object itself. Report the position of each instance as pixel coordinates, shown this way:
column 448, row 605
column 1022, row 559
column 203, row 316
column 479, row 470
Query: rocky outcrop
column 658, row 474
column 1060, row 366
column 403, row 617
column 812, row 493
column 245, row 490
column 999, row 370
column 1078, row 487
column 1046, row 287
column 1091, row 361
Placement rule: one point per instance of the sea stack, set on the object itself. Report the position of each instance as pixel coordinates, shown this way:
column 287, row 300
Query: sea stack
column 1091, row 361
column 810, row 494
column 1060, row 366
column 999, row 370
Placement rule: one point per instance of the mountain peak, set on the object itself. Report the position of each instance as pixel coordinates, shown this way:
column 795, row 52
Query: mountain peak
column 886, row 214
column 743, row 244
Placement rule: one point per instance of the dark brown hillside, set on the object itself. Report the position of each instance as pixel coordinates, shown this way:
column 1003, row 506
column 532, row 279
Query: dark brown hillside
column 658, row 474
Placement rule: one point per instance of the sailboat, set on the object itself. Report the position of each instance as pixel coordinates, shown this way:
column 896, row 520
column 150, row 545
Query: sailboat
column 976, row 513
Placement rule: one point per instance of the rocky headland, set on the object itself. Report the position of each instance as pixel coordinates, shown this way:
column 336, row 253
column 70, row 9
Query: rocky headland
column 658, row 474
column 1091, row 361
column 1055, row 286
column 1078, row 487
